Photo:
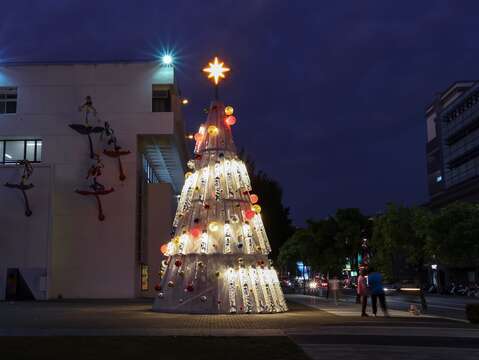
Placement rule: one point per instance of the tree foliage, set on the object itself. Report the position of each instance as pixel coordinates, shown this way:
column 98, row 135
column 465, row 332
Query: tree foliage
column 275, row 215
column 454, row 235
column 326, row 244
column 399, row 241
column 402, row 240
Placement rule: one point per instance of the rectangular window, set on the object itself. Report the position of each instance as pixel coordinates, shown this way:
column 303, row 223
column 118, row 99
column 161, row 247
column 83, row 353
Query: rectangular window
column 12, row 151
column 15, row 150
column 8, row 100
column 161, row 99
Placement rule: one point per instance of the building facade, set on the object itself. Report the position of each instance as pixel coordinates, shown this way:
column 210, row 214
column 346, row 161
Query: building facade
column 452, row 147
column 63, row 249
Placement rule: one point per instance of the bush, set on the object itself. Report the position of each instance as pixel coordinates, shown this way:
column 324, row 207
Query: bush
column 472, row 313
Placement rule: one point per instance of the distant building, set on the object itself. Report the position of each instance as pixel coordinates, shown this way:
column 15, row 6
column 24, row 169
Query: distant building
column 453, row 145
column 63, row 250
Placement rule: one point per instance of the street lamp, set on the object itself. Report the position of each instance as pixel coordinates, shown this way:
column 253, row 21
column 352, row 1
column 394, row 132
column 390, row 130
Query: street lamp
column 167, row 59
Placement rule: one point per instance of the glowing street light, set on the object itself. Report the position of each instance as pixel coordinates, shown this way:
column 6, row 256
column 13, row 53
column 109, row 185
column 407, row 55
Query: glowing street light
column 167, row 59
column 185, row 101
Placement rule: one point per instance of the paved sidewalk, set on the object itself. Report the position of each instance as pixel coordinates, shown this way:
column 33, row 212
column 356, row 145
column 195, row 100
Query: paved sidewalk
column 347, row 307
column 322, row 329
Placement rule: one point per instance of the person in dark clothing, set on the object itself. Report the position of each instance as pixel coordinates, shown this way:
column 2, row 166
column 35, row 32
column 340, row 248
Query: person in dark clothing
column 375, row 284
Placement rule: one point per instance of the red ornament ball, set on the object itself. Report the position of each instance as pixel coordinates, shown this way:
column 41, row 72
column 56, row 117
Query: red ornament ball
column 157, row 287
column 230, row 120
column 190, row 287
column 254, row 198
column 178, row 263
column 195, row 232
column 249, row 214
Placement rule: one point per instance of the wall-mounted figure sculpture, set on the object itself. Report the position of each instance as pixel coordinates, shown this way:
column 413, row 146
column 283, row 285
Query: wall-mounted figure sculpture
column 22, row 185
column 96, row 188
column 87, row 129
column 115, row 151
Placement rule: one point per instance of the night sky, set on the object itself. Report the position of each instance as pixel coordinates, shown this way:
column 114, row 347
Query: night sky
column 329, row 96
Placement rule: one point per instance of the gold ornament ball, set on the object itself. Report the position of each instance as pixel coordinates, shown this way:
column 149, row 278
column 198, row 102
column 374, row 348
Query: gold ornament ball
column 256, row 208
column 213, row 226
column 213, row 130
column 188, row 174
column 229, row 110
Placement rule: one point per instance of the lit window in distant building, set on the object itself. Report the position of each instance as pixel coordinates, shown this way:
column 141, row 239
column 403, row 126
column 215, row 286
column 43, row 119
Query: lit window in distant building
column 161, row 99
column 439, row 178
column 12, row 151
column 8, row 100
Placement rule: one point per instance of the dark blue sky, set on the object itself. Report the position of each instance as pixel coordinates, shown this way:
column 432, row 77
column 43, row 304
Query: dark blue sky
column 330, row 96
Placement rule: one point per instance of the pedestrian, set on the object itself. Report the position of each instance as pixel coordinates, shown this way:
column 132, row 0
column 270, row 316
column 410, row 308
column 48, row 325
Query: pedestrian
column 362, row 291
column 334, row 287
column 375, row 284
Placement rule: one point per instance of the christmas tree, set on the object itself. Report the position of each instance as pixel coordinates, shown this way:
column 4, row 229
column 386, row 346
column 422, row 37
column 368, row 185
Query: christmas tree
column 217, row 260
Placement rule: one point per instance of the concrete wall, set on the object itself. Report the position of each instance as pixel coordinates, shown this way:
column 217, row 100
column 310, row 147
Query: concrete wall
column 24, row 241
column 88, row 258
column 159, row 215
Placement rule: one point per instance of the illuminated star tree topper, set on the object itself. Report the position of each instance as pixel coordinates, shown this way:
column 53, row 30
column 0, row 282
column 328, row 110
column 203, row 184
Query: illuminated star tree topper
column 216, row 71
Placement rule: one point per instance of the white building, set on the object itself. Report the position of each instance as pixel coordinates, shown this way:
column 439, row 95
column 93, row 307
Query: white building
column 63, row 250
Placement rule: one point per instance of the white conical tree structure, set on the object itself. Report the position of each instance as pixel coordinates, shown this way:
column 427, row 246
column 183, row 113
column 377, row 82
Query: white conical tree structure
column 217, row 260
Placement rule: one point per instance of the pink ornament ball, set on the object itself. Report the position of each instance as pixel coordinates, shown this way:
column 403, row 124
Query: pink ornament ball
column 230, row 120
